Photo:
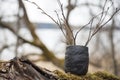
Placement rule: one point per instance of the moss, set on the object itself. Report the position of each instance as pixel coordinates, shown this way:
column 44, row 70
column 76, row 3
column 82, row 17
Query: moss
column 94, row 76
column 106, row 76
column 63, row 76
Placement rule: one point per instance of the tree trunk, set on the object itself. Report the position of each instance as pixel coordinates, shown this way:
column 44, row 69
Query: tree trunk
column 111, row 36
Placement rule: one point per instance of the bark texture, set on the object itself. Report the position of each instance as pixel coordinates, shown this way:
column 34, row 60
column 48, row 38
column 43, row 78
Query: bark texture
column 23, row 69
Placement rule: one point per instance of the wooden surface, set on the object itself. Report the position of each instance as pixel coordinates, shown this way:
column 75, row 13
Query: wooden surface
column 23, row 69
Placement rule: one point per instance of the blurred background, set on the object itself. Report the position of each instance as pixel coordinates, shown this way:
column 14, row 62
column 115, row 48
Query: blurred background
column 26, row 31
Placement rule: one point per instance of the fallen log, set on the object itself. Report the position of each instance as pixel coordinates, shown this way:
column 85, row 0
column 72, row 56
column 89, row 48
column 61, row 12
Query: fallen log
column 24, row 69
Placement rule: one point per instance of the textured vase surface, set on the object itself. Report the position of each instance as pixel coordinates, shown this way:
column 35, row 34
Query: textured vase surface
column 76, row 60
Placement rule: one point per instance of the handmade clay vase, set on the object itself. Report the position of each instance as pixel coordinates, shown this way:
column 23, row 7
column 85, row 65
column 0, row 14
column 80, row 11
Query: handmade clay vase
column 76, row 60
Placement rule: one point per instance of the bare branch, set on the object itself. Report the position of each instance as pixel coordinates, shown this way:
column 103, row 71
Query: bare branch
column 90, row 32
column 71, row 39
column 60, row 24
column 102, row 25
column 86, row 25
column 43, row 12
column 69, row 33
column 103, row 10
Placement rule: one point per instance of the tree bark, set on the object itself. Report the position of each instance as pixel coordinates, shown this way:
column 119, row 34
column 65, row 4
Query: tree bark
column 23, row 69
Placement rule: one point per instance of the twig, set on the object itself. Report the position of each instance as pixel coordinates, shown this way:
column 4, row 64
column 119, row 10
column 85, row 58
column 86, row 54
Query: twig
column 67, row 26
column 103, row 10
column 56, row 22
column 106, row 12
column 100, row 26
column 69, row 33
column 90, row 31
column 85, row 25
column 60, row 24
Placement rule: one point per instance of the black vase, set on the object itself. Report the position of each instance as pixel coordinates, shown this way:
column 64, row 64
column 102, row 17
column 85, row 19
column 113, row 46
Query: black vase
column 76, row 60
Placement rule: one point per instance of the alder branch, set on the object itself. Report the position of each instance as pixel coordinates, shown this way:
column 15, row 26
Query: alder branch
column 60, row 24
column 43, row 12
column 83, row 27
column 69, row 33
column 101, row 26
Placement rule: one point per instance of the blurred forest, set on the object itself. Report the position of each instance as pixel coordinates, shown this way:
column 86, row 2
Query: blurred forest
column 104, row 47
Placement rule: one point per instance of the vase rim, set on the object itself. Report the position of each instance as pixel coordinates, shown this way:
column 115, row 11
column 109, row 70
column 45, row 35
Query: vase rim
column 76, row 45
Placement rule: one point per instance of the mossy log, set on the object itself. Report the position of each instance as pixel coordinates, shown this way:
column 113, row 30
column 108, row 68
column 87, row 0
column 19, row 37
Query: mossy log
column 24, row 69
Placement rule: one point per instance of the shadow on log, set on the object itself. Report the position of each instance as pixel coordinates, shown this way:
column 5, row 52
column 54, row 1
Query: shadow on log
column 23, row 69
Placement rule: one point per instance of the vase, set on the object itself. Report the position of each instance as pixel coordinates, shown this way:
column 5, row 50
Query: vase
column 76, row 60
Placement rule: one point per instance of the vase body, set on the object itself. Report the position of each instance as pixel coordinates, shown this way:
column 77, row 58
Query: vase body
column 76, row 60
